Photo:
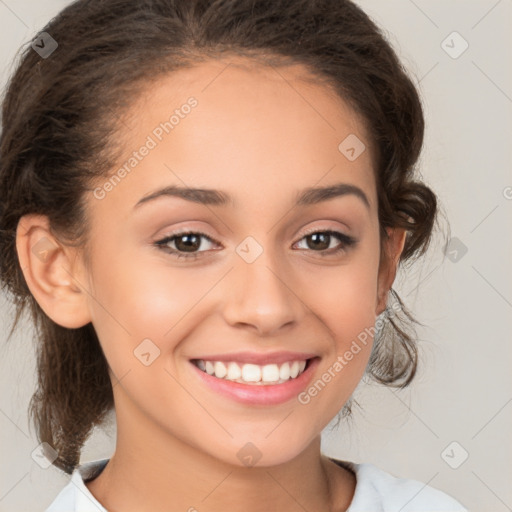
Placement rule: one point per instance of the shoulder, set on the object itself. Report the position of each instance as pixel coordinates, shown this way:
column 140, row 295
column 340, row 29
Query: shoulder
column 75, row 496
column 379, row 491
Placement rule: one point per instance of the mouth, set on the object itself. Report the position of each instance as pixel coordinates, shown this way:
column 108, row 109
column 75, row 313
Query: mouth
column 253, row 374
column 256, row 379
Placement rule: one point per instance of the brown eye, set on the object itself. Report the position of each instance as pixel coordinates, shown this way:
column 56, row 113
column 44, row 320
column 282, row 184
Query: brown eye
column 320, row 241
column 185, row 245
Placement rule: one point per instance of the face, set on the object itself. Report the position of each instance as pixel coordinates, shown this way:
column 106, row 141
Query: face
column 267, row 273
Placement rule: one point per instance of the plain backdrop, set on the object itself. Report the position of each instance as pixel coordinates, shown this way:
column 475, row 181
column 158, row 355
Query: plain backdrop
column 449, row 428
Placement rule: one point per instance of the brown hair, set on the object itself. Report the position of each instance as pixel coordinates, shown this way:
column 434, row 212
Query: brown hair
column 60, row 115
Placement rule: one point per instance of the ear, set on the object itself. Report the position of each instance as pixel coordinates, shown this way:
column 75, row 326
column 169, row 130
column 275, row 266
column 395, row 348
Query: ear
column 52, row 271
column 393, row 246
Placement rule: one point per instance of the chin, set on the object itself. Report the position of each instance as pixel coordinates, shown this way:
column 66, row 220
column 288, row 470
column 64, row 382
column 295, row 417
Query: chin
column 259, row 451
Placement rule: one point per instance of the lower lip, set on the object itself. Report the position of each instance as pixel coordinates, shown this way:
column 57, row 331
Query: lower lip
column 254, row 394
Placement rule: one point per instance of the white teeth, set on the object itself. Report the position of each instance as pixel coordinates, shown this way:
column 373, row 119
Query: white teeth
column 294, row 369
column 270, row 373
column 234, row 371
column 220, row 369
column 209, row 368
column 252, row 373
column 284, row 371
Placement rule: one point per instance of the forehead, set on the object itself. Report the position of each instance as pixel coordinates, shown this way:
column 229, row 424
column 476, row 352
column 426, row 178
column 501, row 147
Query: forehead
column 254, row 130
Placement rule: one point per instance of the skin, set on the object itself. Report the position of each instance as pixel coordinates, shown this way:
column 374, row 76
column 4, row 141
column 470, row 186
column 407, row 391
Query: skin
column 262, row 136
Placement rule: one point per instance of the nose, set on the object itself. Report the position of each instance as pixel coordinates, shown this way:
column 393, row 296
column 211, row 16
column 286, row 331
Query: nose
column 261, row 296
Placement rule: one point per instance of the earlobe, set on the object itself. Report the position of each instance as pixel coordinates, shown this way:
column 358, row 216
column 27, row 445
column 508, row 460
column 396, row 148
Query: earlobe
column 393, row 248
column 50, row 268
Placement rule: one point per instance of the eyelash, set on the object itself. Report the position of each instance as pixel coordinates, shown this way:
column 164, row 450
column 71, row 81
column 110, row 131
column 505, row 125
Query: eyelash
column 346, row 243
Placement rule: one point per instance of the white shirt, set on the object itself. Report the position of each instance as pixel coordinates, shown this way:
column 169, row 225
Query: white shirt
column 376, row 491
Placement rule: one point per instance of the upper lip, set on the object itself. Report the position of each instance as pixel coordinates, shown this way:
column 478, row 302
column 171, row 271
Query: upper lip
column 258, row 358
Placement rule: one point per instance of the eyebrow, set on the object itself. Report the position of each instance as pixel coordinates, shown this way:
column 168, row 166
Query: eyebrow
column 307, row 197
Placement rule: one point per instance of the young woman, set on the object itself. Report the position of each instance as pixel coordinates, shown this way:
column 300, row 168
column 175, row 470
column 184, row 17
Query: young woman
column 204, row 205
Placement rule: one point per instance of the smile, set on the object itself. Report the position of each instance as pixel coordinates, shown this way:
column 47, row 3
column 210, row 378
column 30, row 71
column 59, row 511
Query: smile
column 268, row 374
column 256, row 378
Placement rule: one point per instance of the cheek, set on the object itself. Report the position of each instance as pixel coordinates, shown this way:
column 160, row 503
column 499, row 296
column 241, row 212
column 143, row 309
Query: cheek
column 344, row 297
column 140, row 313
column 136, row 300
column 344, row 301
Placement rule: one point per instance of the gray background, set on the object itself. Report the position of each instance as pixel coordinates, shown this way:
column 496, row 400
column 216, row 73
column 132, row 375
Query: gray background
column 460, row 403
